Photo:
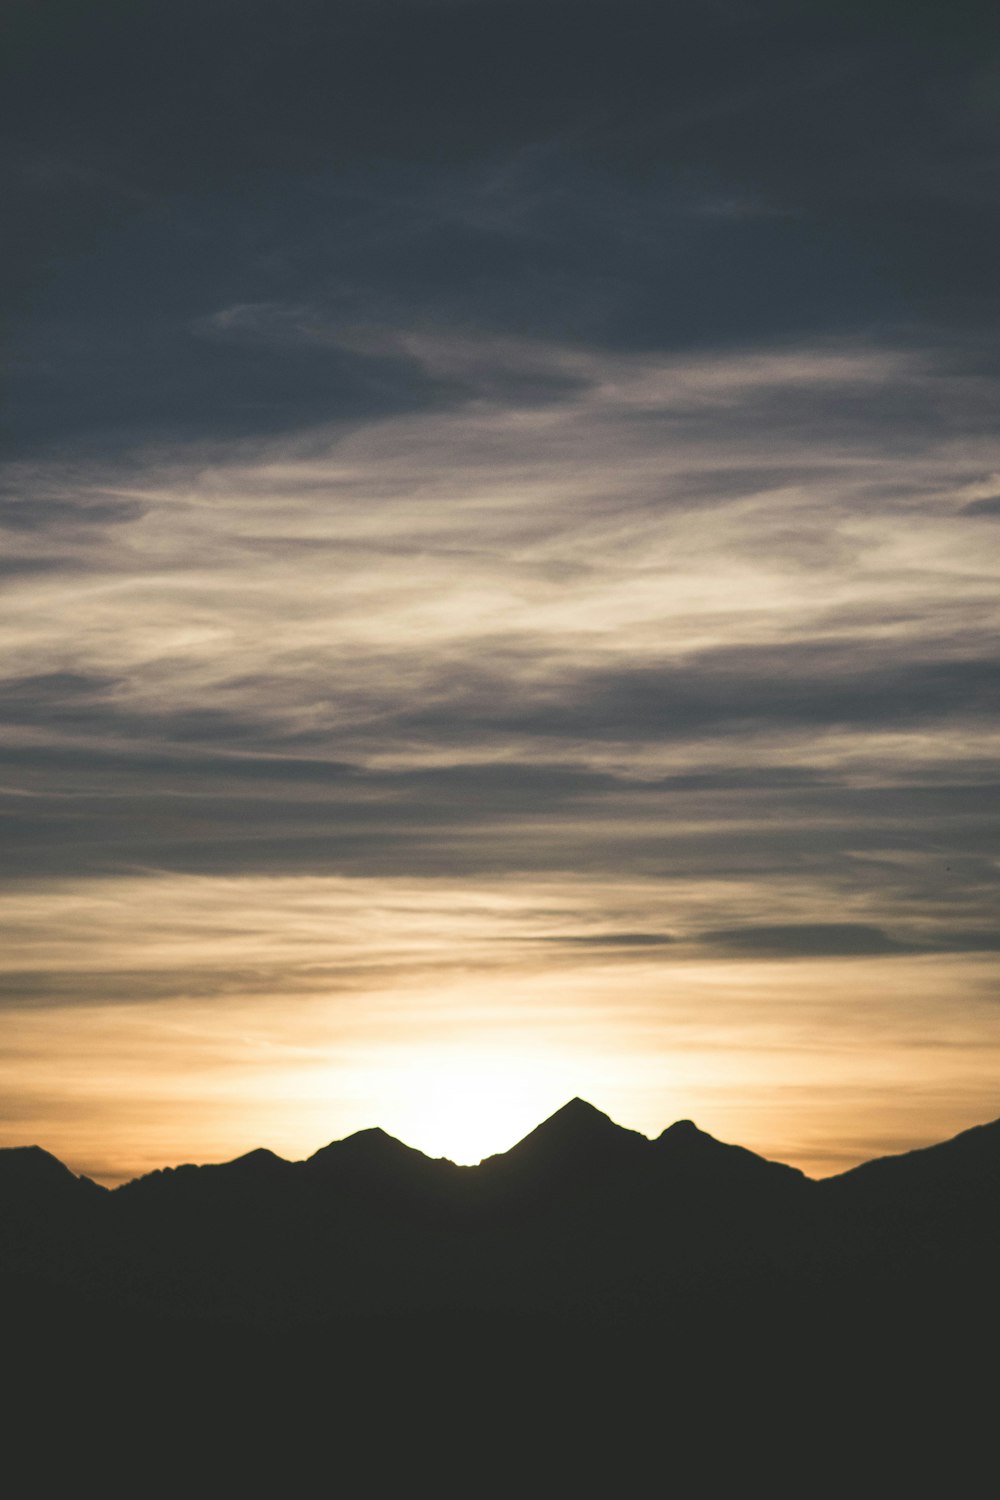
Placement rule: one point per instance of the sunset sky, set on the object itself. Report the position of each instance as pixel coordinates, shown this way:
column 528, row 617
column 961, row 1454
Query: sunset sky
column 500, row 560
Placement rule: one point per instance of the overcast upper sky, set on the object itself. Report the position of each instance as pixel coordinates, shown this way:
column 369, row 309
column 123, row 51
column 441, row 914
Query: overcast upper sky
column 499, row 550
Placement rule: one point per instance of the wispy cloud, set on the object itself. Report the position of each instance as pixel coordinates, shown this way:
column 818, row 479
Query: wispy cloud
column 490, row 546
column 509, row 633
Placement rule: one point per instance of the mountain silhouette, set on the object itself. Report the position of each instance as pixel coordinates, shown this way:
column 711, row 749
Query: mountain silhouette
column 970, row 1159
column 260, row 1163
column 588, row 1297
column 31, row 1176
column 577, row 1149
column 582, row 1217
column 366, row 1150
column 372, row 1159
column 577, row 1134
column 686, row 1154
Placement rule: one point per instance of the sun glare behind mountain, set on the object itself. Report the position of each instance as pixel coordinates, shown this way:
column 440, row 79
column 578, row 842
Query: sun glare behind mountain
column 471, row 1101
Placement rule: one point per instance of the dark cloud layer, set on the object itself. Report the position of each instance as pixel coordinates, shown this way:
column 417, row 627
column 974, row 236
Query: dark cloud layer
column 990, row 506
column 732, row 691
column 842, row 940
column 635, row 175
column 720, row 691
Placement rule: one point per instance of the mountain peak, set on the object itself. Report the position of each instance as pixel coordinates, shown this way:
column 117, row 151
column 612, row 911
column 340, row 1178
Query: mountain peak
column 359, row 1140
column 371, row 1163
column 261, row 1159
column 373, row 1147
column 578, row 1121
column 576, row 1132
column 685, row 1138
column 374, row 1141
column 579, row 1109
column 688, row 1154
column 684, row 1130
column 32, row 1170
column 33, row 1161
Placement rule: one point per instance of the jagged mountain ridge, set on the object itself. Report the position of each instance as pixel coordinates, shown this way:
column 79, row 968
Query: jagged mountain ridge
column 577, row 1138
column 577, row 1135
column 581, row 1219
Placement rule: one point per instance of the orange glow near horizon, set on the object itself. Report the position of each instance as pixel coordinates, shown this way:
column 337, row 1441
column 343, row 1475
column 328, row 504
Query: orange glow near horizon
column 461, row 1029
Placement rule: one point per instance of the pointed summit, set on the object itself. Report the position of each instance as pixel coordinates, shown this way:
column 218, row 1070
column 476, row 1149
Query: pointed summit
column 578, row 1118
column 577, row 1134
column 578, row 1106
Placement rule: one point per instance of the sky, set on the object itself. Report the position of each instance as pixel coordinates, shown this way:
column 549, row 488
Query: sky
column 499, row 520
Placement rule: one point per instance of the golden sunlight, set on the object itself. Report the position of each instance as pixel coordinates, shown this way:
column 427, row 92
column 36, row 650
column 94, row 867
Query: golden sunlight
column 471, row 1100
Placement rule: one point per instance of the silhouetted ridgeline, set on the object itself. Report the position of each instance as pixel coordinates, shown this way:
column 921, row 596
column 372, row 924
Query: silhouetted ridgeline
column 588, row 1281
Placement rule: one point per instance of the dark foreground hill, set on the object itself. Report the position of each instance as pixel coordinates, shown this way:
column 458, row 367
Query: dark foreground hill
column 588, row 1301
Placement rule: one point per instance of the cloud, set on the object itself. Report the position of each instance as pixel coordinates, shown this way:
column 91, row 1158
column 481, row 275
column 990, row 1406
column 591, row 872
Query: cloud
column 988, row 506
column 33, row 510
column 728, row 692
column 707, row 613
column 811, row 940
column 614, row 940
column 806, row 940
column 528, row 486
